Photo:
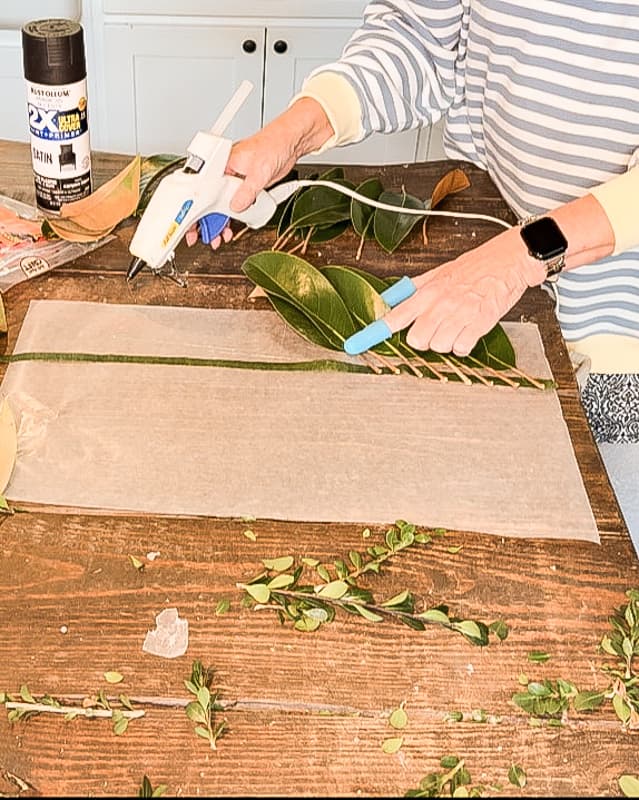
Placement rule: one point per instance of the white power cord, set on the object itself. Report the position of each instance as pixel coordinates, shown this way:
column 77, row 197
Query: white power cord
column 290, row 187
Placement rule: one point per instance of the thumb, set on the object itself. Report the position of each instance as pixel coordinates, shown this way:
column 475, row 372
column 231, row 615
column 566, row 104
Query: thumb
column 244, row 196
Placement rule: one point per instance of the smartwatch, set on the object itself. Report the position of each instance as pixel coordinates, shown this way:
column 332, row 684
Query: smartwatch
column 545, row 242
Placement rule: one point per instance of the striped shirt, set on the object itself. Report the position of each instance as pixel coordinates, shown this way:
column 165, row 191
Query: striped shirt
column 544, row 95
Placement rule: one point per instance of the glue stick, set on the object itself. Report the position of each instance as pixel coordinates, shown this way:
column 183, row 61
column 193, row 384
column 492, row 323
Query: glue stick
column 55, row 75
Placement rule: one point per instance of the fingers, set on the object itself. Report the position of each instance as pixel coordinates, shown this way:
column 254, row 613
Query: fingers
column 192, row 235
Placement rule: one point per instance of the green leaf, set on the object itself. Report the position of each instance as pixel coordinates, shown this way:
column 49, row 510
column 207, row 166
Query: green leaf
column 517, row 776
column 25, row 694
column 500, row 629
column 222, row 607
column 139, row 565
column 195, row 712
column 4, row 505
column 361, row 213
column 588, row 700
column 629, row 785
column 494, row 349
column 159, row 790
column 258, row 591
column 333, row 590
column 113, row 677
column 398, row 718
column 280, row 581
column 278, row 564
column 621, row 708
column 321, row 206
column 538, row 656
column 203, row 732
column 391, row 228
column 120, row 723
column 397, row 600
column 249, row 534
column 307, row 624
column 299, row 284
column 204, row 697
column 469, row 628
column 371, row 616
column 363, row 302
column 435, row 615
column 392, row 745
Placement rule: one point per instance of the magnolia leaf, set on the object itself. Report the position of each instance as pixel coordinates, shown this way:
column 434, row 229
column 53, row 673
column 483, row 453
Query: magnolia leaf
column 362, row 301
column 152, row 170
column 321, row 206
column 494, row 349
column 452, row 182
column 629, row 785
column 391, row 228
column 306, row 288
column 362, row 214
column 300, row 323
column 8, row 443
column 93, row 216
column 326, row 233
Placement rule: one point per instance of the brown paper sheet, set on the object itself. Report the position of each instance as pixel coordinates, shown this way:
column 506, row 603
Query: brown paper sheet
column 306, row 446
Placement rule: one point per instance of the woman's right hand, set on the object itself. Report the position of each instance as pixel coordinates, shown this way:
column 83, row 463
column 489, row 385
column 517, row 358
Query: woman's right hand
column 270, row 154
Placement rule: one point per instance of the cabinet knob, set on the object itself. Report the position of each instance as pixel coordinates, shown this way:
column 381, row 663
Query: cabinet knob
column 280, row 46
column 249, row 46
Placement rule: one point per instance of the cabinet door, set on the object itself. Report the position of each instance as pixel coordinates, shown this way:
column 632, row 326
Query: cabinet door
column 165, row 82
column 291, row 53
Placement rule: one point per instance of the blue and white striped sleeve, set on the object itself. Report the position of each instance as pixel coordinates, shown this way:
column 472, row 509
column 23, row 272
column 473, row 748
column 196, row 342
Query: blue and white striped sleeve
column 400, row 66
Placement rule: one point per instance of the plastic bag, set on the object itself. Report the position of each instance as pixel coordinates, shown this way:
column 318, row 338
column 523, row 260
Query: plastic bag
column 24, row 251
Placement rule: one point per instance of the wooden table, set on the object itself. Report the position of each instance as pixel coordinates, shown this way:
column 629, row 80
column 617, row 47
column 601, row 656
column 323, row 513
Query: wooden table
column 306, row 713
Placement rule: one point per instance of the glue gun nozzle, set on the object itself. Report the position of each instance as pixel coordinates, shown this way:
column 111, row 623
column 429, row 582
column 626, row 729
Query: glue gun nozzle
column 134, row 267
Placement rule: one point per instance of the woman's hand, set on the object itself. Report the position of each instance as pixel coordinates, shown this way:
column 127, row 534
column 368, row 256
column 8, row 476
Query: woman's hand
column 270, row 154
column 460, row 301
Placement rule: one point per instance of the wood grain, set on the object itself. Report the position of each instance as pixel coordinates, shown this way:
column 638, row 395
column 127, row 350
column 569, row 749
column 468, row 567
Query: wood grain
column 306, row 713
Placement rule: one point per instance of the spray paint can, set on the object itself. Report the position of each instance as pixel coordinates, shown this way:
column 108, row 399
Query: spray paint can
column 55, row 75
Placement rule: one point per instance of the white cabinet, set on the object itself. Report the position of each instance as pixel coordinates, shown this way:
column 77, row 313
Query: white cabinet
column 165, row 82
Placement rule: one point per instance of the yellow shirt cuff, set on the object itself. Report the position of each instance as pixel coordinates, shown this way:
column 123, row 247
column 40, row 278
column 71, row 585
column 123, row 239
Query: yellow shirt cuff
column 341, row 105
column 609, row 354
column 619, row 198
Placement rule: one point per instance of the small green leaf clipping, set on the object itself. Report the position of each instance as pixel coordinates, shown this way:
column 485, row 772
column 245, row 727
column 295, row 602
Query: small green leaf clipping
column 629, row 785
column 278, row 564
column 249, row 534
column 136, row 562
column 258, row 591
column 113, row 677
column 538, row 656
column 222, row 607
column 333, row 590
column 517, row 776
column 398, row 718
column 392, row 745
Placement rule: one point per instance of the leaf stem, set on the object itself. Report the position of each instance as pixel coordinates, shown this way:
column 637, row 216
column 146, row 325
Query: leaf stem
column 40, row 708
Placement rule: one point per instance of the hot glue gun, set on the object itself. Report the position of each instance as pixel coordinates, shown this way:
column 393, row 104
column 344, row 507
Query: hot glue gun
column 200, row 191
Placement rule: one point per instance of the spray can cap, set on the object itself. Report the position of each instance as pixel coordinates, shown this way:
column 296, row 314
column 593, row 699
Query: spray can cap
column 53, row 51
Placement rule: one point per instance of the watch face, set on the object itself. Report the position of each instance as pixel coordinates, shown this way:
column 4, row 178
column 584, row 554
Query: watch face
column 544, row 239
